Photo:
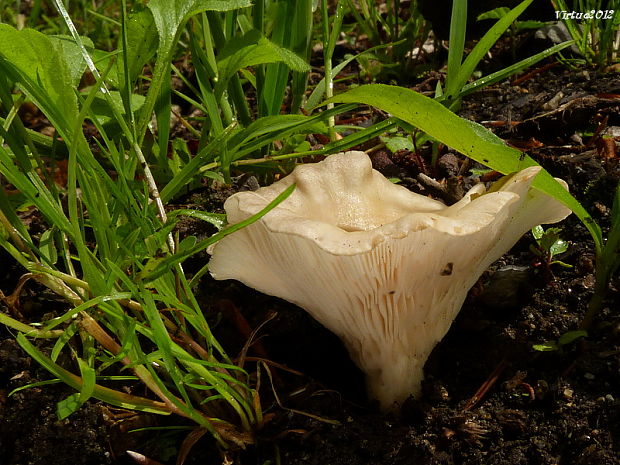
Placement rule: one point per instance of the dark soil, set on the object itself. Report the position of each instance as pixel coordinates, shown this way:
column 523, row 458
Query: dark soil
column 560, row 407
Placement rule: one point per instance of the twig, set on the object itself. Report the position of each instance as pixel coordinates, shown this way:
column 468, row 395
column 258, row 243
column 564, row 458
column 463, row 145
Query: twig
column 488, row 384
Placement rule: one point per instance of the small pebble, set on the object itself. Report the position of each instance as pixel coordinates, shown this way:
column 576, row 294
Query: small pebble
column 589, row 376
column 449, row 165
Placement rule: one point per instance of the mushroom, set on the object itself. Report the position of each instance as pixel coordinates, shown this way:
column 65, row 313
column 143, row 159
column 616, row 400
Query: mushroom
column 385, row 269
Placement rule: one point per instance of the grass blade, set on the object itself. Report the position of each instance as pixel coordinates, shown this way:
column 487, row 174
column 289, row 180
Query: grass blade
column 458, row 26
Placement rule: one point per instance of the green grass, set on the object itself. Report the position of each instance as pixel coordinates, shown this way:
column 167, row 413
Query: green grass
column 101, row 251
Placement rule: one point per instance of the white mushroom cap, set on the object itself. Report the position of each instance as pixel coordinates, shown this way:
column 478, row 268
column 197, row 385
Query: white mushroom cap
column 385, row 269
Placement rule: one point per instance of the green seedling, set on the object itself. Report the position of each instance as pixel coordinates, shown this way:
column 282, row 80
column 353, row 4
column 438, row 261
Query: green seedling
column 395, row 142
column 564, row 340
column 548, row 245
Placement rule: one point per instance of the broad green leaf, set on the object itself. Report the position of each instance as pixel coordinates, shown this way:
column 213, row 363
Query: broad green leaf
column 396, row 143
column 102, row 111
column 467, row 137
column 571, row 336
column 29, row 57
column 559, row 246
column 549, row 238
column 142, row 40
column 537, row 232
column 66, row 47
column 47, row 247
column 68, row 406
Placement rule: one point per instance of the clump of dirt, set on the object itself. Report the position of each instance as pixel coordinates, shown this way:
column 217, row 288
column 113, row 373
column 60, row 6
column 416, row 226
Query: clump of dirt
column 30, row 431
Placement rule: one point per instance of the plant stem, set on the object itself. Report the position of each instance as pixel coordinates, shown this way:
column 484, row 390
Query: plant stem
column 327, row 60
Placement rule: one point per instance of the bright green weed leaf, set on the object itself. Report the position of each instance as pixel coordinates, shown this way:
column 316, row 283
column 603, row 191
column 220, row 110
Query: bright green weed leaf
column 67, row 406
column 559, row 246
column 537, row 232
column 564, row 339
column 396, row 143
column 66, row 47
column 100, row 107
column 47, row 247
column 30, row 58
column 571, row 336
column 142, row 43
column 549, row 238
column 546, row 347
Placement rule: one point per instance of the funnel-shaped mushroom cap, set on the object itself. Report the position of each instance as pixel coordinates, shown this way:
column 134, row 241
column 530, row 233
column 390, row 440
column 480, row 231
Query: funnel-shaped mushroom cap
column 385, row 269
